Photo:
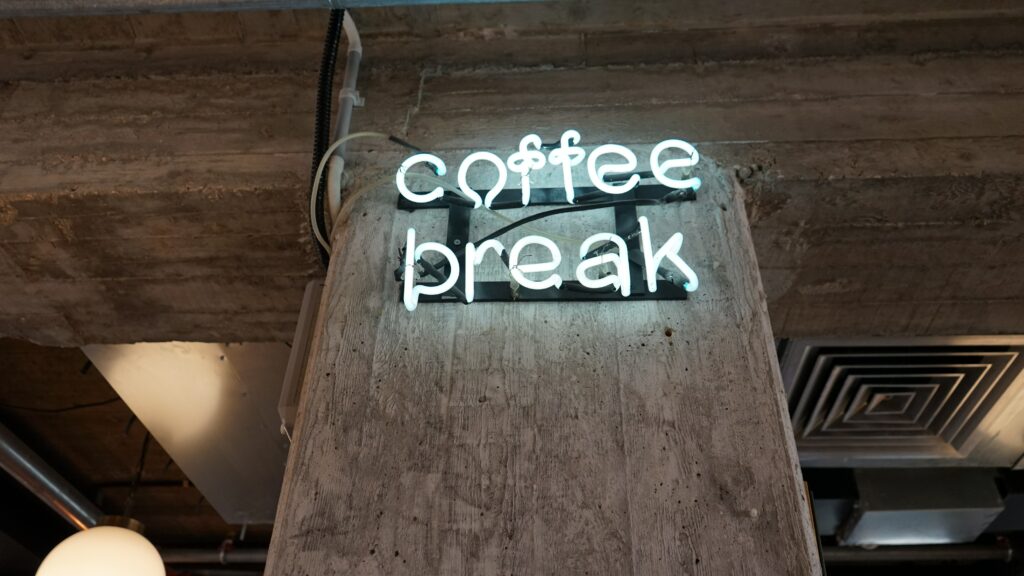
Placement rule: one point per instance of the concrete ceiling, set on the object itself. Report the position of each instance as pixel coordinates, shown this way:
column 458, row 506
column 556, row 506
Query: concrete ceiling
column 153, row 169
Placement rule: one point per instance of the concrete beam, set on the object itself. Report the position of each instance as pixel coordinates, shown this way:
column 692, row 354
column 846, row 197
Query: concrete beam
column 36, row 8
column 593, row 33
column 884, row 190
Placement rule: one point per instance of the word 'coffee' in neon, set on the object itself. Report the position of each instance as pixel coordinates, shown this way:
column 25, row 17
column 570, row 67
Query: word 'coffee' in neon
column 603, row 161
column 530, row 158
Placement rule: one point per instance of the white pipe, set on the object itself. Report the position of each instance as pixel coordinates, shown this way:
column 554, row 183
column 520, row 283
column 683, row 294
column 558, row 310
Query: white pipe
column 348, row 97
column 349, row 26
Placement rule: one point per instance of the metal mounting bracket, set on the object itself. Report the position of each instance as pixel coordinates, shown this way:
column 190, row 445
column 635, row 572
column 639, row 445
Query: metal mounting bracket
column 626, row 226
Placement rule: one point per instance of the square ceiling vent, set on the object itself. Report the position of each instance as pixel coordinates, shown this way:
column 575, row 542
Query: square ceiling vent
column 880, row 402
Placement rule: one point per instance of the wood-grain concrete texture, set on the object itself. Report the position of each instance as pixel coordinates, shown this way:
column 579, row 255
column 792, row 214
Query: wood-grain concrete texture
column 153, row 167
column 646, row 438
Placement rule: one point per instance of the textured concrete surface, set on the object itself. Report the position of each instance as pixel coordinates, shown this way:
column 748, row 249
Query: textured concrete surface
column 153, row 167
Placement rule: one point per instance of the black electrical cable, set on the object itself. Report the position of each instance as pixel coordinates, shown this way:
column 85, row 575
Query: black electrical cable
column 623, row 177
column 322, row 128
column 130, row 501
column 575, row 208
column 404, row 143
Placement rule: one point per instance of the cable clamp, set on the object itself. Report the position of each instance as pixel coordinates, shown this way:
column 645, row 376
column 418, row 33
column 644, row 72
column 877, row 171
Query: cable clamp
column 352, row 94
column 225, row 547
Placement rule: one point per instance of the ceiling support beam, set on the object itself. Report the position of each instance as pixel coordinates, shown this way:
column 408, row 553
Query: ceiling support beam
column 189, row 221
column 32, row 8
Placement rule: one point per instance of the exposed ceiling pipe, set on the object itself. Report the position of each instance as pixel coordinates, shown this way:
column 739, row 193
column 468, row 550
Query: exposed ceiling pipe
column 33, row 473
column 28, row 8
column 226, row 572
column 205, row 556
column 932, row 553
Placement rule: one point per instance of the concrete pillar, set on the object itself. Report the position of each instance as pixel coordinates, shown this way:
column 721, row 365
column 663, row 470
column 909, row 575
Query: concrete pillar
column 618, row 437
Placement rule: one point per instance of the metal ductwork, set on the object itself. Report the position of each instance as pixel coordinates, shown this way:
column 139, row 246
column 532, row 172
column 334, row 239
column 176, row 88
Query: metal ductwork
column 33, row 473
column 28, row 8
column 921, row 506
column 876, row 402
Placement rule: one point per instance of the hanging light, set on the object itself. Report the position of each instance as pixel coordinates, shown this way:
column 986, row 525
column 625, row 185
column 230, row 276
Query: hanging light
column 116, row 548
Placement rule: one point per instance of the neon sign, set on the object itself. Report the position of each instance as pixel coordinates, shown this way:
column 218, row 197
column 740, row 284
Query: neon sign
column 634, row 268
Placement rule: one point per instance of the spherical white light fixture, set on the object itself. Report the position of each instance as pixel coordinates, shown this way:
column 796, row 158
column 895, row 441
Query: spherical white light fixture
column 103, row 551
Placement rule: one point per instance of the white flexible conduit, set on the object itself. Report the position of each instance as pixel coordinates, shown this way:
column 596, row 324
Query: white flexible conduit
column 348, row 97
column 354, row 43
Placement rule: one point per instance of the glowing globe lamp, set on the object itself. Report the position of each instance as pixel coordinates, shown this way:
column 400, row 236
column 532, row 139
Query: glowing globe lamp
column 103, row 551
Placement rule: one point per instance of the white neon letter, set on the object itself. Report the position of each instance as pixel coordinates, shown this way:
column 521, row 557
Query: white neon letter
column 464, row 172
column 620, row 280
column 519, row 270
column 597, row 174
column 474, row 257
column 671, row 251
column 523, row 162
column 411, row 196
column 568, row 155
column 659, row 168
column 413, row 253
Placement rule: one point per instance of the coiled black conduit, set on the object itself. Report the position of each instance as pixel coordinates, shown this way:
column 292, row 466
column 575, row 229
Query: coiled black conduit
column 322, row 129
